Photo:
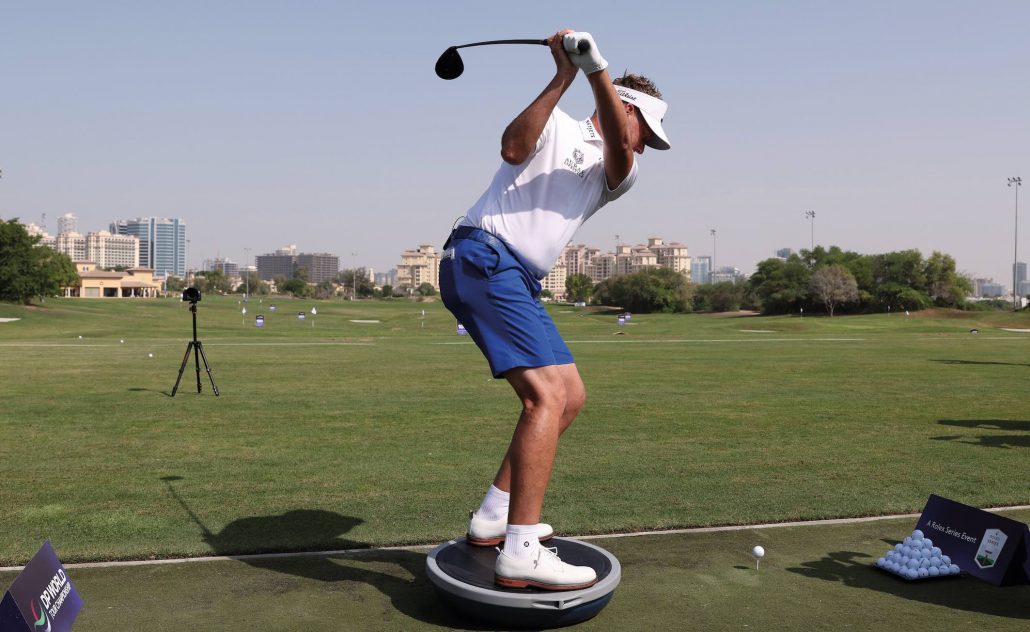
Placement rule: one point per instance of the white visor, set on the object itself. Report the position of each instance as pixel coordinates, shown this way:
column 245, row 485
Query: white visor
column 653, row 111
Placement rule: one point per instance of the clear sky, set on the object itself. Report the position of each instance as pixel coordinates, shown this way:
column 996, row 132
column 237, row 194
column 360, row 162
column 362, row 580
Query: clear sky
column 322, row 124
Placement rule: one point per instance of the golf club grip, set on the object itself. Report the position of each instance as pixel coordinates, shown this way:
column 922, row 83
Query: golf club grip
column 541, row 42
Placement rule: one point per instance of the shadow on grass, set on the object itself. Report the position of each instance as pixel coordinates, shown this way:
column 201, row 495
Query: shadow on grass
column 399, row 575
column 855, row 570
column 149, row 390
column 978, row 362
column 1005, row 441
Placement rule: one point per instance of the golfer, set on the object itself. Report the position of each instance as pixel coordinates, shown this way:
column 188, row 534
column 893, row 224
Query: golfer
column 556, row 173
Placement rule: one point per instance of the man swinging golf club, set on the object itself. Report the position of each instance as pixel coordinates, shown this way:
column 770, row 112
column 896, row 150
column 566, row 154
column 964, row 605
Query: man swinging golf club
column 556, row 173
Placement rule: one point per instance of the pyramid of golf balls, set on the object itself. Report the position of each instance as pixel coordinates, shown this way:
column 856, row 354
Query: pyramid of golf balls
column 917, row 558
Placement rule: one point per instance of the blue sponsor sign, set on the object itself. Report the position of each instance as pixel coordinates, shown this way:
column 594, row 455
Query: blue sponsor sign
column 42, row 597
column 986, row 545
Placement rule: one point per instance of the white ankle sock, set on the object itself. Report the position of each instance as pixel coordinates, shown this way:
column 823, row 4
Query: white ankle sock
column 495, row 504
column 520, row 541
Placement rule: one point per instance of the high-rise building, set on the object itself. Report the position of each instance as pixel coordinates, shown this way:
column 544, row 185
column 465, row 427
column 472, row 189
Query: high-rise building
column 162, row 243
column 554, row 282
column 67, row 223
column 285, row 262
column 701, row 270
column 419, row 266
column 1018, row 274
column 112, row 251
column 784, row 253
column 228, row 267
column 321, row 266
column 673, row 256
column 72, row 244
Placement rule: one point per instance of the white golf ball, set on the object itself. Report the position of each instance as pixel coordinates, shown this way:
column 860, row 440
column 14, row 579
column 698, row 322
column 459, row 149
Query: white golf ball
column 908, row 541
column 924, row 554
column 923, row 572
column 917, row 543
column 946, row 560
column 150, row 355
column 758, row 551
column 935, row 561
column 80, row 337
column 954, row 569
column 934, row 571
column 917, row 534
column 122, row 341
column 928, row 543
column 898, row 547
column 911, row 574
column 881, row 562
column 936, row 551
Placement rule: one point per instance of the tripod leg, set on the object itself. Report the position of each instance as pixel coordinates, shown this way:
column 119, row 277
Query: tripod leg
column 182, row 367
column 207, row 366
column 196, row 359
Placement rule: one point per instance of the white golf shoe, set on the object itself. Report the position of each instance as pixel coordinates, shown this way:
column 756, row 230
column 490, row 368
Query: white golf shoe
column 484, row 532
column 543, row 570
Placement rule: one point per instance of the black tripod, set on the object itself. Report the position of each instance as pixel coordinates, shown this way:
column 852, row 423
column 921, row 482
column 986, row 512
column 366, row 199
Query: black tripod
column 197, row 348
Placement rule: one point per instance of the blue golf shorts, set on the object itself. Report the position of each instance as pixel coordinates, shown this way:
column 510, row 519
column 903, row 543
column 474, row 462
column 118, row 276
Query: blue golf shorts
column 489, row 291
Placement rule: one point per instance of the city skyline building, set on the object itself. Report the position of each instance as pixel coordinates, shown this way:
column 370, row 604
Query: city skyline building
column 162, row 243
column 112, row 251
column 67, row 223
column 701, row 270
column 286, row 261
column 419, row 266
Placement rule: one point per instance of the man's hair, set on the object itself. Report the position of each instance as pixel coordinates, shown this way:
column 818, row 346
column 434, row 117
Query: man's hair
column 640, row 83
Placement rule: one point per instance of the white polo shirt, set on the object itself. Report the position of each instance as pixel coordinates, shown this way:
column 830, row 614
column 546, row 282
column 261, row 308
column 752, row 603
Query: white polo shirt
column 537, row 207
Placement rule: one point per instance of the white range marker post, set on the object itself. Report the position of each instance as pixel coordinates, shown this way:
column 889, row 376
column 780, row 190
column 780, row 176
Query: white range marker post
column 314, row 312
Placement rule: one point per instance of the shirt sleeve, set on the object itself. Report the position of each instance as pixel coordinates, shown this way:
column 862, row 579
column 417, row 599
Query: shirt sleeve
column 546, row 134
column 610, row 195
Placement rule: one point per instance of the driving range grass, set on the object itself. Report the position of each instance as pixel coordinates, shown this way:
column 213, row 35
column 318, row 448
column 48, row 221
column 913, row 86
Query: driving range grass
column 813, row 577
column 349, row 434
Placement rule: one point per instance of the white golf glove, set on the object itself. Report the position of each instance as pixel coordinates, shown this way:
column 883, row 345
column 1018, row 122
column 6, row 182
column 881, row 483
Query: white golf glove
column 583, row 52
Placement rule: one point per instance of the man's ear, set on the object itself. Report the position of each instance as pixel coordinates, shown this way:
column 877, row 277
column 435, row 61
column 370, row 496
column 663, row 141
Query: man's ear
column 629, row 107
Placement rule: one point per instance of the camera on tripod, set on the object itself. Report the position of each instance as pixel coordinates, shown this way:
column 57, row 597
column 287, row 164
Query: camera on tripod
column 191, row 294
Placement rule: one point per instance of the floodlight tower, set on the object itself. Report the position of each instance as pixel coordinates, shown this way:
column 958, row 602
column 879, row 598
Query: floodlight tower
column 247, row 266
column 811, row 216
column 711, row 273
column 1016, row 183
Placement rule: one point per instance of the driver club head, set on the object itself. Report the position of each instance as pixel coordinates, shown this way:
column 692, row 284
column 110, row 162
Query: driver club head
column 450, row 66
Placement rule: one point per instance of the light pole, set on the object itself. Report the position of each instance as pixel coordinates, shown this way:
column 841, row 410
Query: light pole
column 711, row 273
column 247, row 265
column 811, row 216
column 1016, row 182
column 353, row 275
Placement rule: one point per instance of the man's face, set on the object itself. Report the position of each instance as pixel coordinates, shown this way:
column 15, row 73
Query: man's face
column 638, row 129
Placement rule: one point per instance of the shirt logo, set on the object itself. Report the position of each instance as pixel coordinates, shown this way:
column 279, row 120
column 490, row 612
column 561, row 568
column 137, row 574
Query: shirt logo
column 575, row 161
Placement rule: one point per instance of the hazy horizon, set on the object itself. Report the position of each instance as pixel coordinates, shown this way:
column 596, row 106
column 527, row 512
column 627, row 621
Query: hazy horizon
column 321, row 124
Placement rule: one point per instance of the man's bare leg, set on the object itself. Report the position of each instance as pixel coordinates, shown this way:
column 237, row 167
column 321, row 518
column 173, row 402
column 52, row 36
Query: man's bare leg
column 535, row 441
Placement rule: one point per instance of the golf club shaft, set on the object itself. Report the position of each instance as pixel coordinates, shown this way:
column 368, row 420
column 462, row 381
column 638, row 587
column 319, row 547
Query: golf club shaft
column 541, row 42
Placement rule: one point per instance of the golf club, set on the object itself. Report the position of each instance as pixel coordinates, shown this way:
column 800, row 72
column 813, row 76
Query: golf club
column 450, row 66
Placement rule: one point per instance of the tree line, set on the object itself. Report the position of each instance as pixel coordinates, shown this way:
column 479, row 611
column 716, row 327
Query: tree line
column 819, row 280
column 28, row 269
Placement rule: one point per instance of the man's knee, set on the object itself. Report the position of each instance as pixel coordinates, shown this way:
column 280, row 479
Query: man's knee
column 548, row 398
column 575, row 399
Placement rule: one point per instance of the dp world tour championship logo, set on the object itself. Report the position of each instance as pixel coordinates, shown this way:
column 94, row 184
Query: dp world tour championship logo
column 42, row 598
column 39, row 614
